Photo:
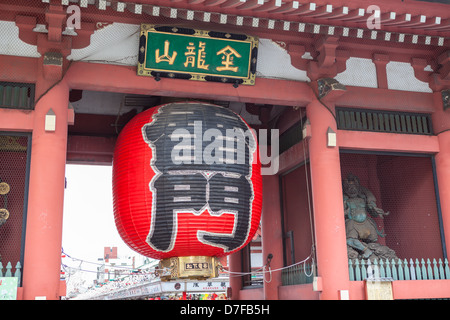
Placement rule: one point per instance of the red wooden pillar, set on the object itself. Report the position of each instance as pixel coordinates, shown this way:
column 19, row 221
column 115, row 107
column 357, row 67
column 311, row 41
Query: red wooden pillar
column 42, row 260
column 331, row 247
column 272, row 236
column 443, row 178
column 235, row 265
column 441, row 127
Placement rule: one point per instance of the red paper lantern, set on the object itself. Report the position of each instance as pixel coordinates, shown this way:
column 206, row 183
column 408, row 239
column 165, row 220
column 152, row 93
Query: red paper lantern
column 187, row 181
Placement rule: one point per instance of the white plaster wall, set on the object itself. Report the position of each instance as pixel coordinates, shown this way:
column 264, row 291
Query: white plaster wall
column 359, row 73
column 400, row 76
column 117, row 43
column 275, row 62
column 11, row 45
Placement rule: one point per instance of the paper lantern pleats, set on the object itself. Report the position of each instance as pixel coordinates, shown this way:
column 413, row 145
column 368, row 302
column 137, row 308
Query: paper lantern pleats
column 187, row 181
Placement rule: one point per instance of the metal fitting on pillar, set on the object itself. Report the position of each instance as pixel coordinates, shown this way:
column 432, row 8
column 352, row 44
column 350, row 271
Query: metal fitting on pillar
column 446, row 99
column 329, row 88
column 53, row 65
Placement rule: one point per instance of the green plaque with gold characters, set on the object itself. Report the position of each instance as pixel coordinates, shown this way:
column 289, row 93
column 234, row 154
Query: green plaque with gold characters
column 192, row 54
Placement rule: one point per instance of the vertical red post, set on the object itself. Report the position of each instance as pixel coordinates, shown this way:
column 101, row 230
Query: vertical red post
column 441, row 127
column 42, row 261
column 331, row 247
column 272, row 236
column 235, row 265
column 443, row 178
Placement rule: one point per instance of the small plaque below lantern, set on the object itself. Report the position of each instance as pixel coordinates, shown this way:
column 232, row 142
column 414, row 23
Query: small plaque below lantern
column 192, row 267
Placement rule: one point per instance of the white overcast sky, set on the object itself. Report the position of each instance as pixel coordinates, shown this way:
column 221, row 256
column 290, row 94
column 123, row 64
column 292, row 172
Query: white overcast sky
column 88, row 221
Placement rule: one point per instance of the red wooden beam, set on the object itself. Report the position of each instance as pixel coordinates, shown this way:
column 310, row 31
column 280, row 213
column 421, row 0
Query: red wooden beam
column 111, row 78
column 393, row 142
column 90, row 150
column 16, row 120
column 384, row 99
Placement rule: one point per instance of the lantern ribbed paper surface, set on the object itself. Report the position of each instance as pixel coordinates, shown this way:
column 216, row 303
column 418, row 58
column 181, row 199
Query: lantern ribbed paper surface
column 187, row 181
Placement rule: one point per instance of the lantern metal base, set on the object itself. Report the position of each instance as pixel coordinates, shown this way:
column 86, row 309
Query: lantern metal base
column 191, row 267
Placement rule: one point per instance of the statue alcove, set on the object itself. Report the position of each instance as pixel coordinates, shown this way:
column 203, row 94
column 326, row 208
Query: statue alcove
column 404, row 186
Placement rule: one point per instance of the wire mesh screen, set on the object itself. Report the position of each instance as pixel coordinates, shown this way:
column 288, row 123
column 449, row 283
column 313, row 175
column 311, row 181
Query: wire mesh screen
column 404, row 187
column 13, row 184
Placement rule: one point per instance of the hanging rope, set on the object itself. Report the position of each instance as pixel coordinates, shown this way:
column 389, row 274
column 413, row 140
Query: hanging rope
column 266, row 269
column 308, row 191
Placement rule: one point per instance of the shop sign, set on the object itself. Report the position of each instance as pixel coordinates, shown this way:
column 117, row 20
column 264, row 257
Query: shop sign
column 197, row 55
column 8, row 288
column 173, row 286
column 207, row 286
column 152, row 289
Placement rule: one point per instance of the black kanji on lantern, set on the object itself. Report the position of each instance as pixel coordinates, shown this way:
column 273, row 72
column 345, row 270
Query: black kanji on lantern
column 202, row 159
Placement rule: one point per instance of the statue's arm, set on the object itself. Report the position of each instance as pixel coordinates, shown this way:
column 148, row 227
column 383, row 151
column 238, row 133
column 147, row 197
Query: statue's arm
column 371, row 202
